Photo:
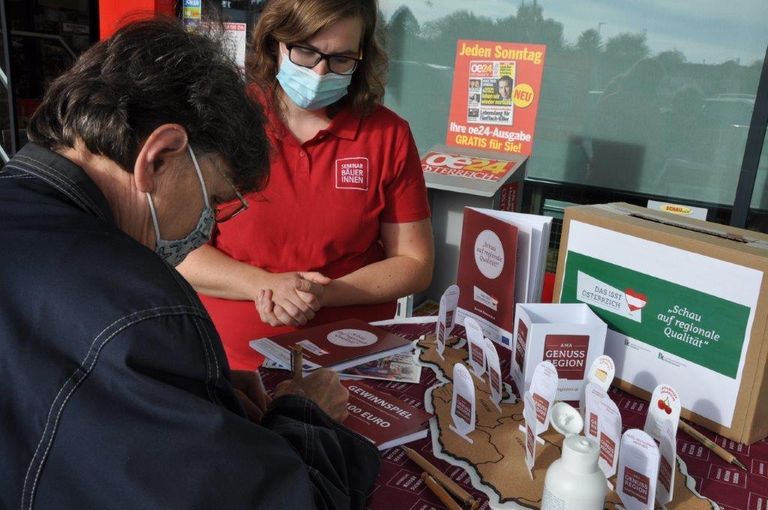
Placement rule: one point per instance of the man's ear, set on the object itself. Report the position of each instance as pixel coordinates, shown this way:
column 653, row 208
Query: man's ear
column 160, row 149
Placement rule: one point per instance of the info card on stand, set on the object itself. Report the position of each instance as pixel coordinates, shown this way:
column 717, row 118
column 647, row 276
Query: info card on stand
column 543, row 391
column 463, row 406
column 661, row 424
column 475, row 347
column 610, row 436
column 494, row 372
column 451, row 296
column 441, row 330
column 594, row 395
column 601, row 373
column 664, row 410
column 666, row 482
column 638, row 470
column 530, row 412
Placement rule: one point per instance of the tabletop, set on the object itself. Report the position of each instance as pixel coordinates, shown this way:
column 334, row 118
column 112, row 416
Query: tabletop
column 399, row 485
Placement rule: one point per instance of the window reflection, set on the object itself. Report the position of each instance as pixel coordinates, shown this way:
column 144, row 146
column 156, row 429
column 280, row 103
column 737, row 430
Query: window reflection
column 660, row 108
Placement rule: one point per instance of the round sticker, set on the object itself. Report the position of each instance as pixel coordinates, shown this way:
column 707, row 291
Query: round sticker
column 489, row 254
column 352, row 338
column 523, row 95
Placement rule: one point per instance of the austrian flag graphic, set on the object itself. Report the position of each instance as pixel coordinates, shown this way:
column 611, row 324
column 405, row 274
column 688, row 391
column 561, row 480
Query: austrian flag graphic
column 635, row 300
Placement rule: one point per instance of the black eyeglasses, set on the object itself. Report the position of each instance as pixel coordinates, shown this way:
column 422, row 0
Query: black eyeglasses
column 305, row 56
column 228, row 210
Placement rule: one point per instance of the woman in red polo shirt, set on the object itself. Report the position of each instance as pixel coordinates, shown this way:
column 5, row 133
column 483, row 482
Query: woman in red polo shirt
column 342, row 230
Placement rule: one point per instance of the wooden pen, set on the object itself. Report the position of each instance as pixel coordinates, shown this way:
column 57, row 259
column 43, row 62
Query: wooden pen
column 441, row 478
column 297, row 362
column 716, row 449
column 440, row 492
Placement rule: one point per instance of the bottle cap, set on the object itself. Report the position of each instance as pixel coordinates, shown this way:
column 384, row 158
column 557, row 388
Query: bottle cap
column 580, row 454
column 566, row 420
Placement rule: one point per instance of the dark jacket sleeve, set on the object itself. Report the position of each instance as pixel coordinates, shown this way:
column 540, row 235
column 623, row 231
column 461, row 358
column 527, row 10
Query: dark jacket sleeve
column 342, row 464
column 155, row 424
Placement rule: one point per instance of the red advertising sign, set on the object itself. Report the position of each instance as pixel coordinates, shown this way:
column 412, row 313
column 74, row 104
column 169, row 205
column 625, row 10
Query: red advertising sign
column 496, row 89
column 469, row 167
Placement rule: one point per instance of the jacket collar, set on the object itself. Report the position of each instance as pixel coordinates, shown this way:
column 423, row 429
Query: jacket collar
column 62, row 174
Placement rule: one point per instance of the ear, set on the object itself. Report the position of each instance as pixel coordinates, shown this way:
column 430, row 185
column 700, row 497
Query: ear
column 162, row 146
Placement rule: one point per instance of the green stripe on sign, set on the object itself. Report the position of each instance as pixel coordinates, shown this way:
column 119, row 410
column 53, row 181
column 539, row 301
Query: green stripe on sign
column 701, row 328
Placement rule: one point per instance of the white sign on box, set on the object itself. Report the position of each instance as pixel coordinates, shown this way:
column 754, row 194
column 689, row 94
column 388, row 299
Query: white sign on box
column 680, row 304
column 570, row 336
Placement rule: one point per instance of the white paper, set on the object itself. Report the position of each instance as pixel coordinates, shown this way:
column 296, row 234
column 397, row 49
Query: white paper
column 543, row 391
column 638, row 470
column 532, row 242
column 475, row 347
column 278, row 354
column 463, row 406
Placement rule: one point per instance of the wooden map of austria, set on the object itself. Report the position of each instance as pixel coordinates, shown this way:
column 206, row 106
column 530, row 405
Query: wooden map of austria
column 496, row 459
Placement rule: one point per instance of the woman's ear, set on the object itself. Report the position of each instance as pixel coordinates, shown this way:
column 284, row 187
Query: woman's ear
column 161, row 147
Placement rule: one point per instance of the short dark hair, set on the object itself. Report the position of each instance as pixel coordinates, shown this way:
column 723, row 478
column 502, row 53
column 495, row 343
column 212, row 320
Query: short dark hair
column 153, row 72
column 295, row 21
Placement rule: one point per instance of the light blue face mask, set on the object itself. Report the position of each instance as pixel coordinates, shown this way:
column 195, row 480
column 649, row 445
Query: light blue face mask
column 174, row 251
column 310, row 90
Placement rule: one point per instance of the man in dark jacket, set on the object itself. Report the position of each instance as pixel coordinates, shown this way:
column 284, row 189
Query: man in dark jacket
column 116, row 392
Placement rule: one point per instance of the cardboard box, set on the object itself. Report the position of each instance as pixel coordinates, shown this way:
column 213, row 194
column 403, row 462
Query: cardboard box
column 686, row 305
column 570, row 336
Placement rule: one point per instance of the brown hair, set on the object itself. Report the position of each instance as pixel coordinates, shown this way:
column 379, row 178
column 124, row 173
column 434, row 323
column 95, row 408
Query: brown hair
column 150, row 73
column 295, row 21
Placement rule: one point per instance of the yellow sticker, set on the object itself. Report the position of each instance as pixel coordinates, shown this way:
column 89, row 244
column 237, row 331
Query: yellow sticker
column 523, row 95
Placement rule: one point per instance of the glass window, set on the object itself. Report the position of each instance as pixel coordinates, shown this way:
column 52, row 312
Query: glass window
column 652, row 98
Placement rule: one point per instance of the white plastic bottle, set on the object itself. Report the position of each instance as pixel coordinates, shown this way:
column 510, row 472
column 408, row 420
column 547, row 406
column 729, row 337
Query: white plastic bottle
column 574, row 481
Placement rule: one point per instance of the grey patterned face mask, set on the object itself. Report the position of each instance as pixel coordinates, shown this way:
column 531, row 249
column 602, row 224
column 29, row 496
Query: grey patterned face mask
column 175, row 251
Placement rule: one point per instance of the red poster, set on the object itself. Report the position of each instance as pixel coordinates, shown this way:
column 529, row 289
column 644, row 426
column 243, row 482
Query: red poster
column 496, row 89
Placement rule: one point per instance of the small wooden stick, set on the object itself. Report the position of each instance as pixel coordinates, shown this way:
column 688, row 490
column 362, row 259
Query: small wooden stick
column 297, row 362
